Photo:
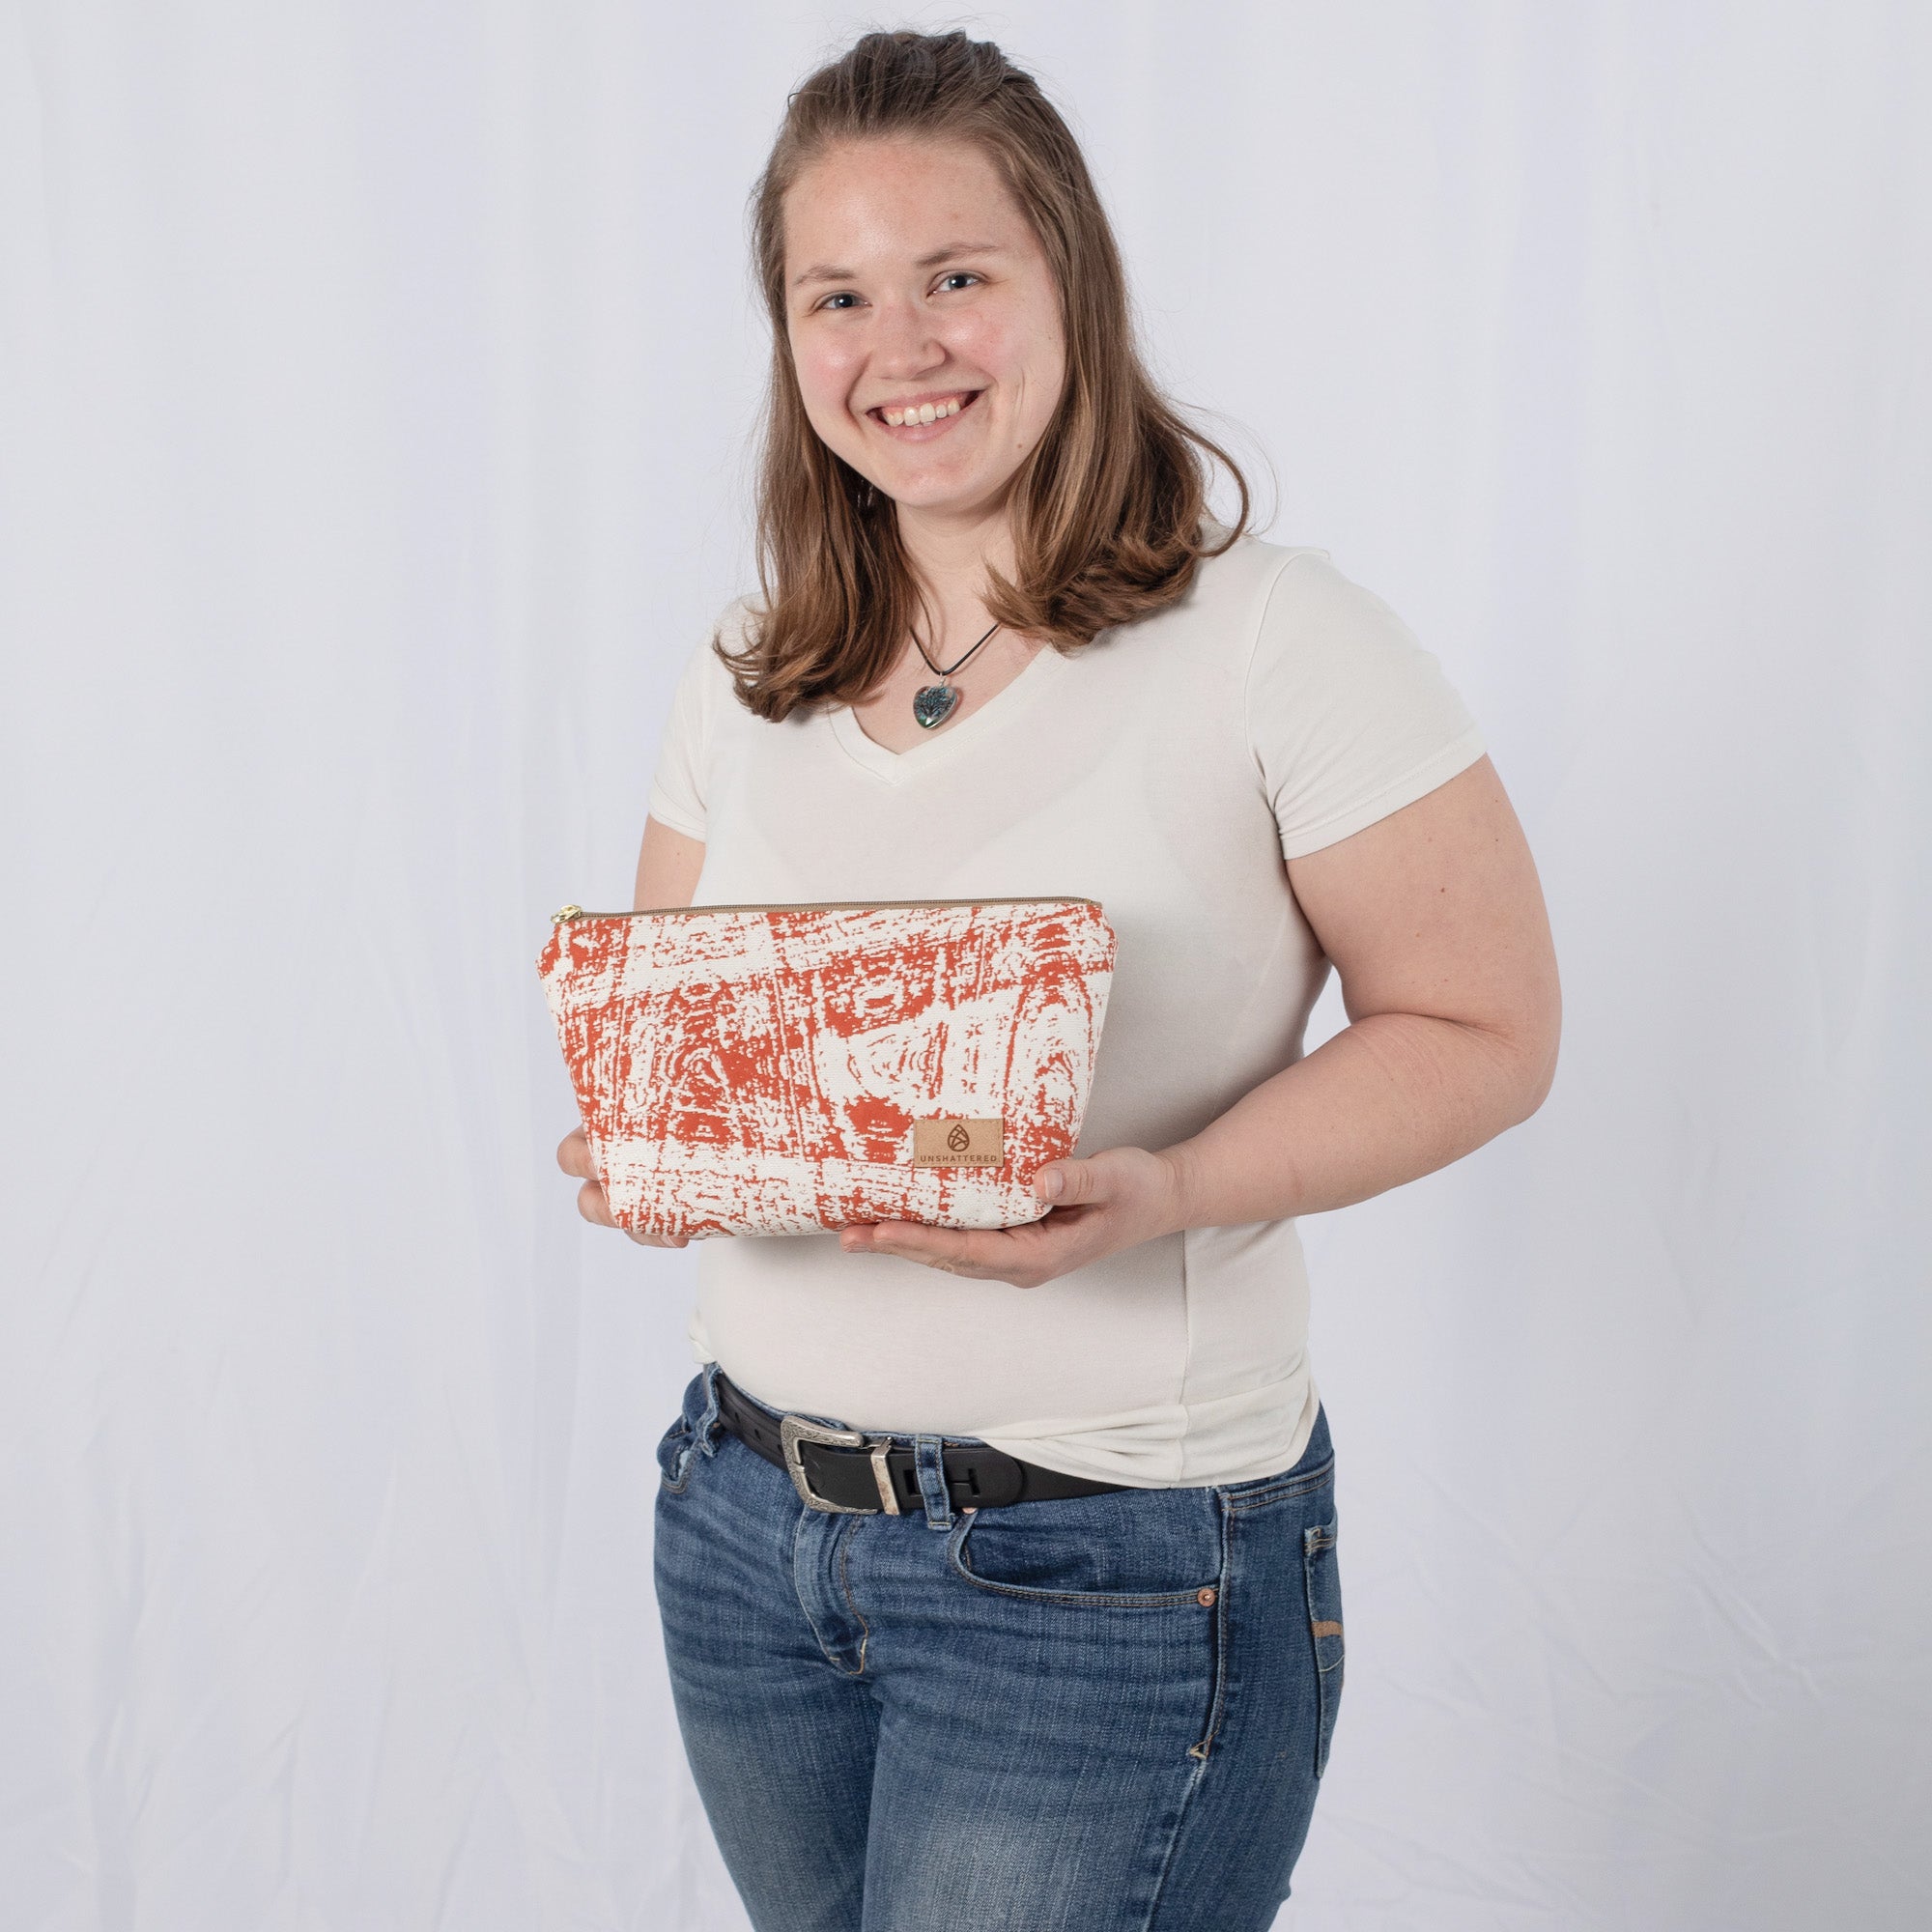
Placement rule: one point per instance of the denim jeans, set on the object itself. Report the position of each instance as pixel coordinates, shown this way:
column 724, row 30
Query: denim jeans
column 1081, row 1714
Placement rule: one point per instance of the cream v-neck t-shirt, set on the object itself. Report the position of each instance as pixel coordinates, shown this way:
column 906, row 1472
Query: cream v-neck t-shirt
column 1168, row 769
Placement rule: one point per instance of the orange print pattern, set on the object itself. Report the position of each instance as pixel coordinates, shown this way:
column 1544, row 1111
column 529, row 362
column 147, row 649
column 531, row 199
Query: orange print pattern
column 759, row 1071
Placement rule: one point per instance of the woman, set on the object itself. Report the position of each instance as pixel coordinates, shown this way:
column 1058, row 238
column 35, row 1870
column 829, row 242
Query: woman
column 1088, row 1675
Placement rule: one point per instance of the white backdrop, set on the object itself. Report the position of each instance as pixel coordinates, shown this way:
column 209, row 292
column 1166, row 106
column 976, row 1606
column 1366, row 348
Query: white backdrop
column 374, row 382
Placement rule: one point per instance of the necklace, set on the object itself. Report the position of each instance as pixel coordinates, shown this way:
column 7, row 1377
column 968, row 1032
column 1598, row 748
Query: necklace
column 935, row 703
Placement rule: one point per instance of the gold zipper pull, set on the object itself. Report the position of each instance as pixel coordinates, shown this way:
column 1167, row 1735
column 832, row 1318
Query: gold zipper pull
column 569, row 913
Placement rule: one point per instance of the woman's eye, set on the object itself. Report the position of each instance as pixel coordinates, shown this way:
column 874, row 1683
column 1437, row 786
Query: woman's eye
column 839, row 301
column 957, row 276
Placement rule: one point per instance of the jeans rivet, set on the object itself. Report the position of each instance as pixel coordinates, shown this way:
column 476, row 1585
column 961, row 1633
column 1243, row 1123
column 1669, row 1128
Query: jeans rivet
column 1205, row 1598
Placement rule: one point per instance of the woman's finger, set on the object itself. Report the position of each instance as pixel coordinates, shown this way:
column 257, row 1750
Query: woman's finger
column 594, row 1206
column 1026, row 1256
column 573, row 1154
column 1070, row 1180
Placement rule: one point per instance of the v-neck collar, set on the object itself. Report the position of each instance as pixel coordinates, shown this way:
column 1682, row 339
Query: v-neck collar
column 1043, row 669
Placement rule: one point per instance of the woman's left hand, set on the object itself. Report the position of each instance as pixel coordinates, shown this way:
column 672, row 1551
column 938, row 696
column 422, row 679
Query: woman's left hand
column 1109, row 1202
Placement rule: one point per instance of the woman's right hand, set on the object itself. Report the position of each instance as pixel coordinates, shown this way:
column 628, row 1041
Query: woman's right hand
column 573, row 1155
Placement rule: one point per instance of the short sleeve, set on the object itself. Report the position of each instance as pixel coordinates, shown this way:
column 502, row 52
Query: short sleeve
column 678, row 785
column 1347, row 717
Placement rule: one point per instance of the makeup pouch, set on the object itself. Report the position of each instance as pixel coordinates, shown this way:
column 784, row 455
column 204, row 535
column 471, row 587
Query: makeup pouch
column 776, row 1069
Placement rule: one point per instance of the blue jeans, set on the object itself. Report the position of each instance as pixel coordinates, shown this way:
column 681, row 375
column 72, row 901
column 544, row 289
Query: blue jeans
column 1082, row 1715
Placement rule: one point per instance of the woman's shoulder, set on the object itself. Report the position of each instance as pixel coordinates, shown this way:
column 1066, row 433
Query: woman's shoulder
column 1301, row 636
column 1290, row 593
column 1231, row 591
column 1251, row 558
column 729, row 633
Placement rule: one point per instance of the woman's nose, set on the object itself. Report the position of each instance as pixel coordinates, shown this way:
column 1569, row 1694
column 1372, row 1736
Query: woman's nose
column 905, row 343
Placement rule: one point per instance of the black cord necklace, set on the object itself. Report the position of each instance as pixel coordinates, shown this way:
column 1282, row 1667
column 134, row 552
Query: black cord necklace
column 935, row 703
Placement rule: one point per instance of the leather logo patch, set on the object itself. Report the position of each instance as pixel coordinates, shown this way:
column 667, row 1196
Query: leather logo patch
column 953, row 1143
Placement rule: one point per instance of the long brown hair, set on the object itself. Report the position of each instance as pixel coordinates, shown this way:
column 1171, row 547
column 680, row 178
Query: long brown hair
column 1106, row 511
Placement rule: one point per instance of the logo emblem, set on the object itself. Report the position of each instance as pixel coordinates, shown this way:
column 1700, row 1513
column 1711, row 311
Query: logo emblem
column 948, row 1142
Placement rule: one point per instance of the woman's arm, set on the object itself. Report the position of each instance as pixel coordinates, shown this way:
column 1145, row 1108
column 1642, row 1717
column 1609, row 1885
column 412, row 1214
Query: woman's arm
column 668, row 863
column 1434, row 921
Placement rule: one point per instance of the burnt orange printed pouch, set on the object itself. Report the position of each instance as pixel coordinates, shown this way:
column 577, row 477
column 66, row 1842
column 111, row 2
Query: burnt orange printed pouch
column 776, row 1069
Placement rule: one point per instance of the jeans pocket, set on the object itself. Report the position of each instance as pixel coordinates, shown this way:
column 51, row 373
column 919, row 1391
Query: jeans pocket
column 1324, row 1580
column 1132, row 1550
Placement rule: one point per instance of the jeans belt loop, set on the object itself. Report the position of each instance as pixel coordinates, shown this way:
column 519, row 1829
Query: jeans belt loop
column 708, row 1426
column 930, row 1460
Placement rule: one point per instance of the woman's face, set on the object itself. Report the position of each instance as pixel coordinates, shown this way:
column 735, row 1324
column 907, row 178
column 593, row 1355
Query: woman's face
column 924, row 322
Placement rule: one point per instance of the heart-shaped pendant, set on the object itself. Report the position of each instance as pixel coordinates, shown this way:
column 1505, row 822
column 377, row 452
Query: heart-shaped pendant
column 933, row 704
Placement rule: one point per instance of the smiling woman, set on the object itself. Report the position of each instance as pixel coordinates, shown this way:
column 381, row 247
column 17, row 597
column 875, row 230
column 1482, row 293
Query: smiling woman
column 997, row 1568
column 947, row 251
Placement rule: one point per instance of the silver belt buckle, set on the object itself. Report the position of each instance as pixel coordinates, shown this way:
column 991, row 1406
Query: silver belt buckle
column 794, row 1433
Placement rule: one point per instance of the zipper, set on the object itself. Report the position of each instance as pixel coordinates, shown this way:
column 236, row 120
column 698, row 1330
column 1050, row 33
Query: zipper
column 572, row 911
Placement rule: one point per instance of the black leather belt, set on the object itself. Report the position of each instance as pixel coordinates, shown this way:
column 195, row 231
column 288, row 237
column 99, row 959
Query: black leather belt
column 845, row 1472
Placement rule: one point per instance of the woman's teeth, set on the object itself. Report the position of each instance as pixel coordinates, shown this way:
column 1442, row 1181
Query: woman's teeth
column 926, row 412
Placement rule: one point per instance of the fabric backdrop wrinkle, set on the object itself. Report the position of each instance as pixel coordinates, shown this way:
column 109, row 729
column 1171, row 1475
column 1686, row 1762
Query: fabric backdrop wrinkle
column 376, row 390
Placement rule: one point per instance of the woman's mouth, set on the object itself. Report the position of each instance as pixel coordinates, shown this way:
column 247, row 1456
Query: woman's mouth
column 918, row 418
